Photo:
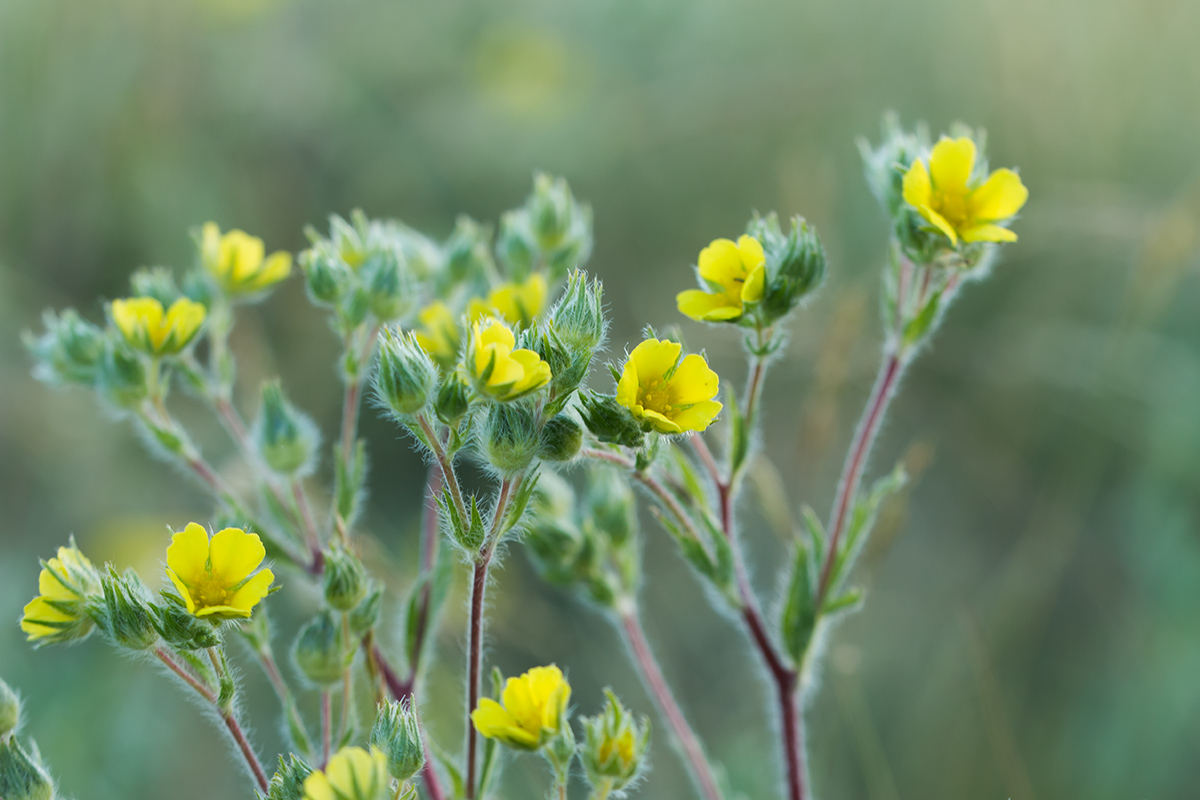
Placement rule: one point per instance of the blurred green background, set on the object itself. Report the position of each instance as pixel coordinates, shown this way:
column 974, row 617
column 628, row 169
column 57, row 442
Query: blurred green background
column 1032, row 626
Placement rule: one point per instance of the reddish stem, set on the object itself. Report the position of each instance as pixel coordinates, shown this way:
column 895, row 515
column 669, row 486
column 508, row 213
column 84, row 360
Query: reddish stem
column 661, row 691
column 474, row 659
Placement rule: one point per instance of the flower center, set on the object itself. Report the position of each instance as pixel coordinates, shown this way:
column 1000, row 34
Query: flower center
column 953, row 206
column 210, row 592
column 656, row 397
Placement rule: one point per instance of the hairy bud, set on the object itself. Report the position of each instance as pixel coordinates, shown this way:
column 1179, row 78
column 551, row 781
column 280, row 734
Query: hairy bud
column 319, row 652
column 345, row 579
column 406, row 376
column 398, row 735
column 510, row 436
column 69, row 351
column 287, row 438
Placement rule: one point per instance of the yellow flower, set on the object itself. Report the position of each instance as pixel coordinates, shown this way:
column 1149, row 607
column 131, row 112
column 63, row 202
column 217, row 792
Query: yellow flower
column 236, row 260
column 961, row 208
column 666, row 393
column 59, row 613
column 520, row 303
column 533, row 710
column 735, row 273
column 147, row 327
column 352, row 774
column 439, row 334
column 216, row 578
column 498, row 369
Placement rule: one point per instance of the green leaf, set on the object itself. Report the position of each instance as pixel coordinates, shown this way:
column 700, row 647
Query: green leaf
column 920, row 325
column 862, row 519
column 850, row 601
column 520, row 501
column 349, row 480
column 739, row 437
column 799, row 618
column 447, row 763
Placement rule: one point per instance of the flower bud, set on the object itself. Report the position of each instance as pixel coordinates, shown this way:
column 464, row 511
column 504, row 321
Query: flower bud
column 319, row 652
column 354, row 307
column 122, row 375
column 611, row 422
column 453, row 400
column 561, row 438
column 406, row 376
column 398, row 735
column 10, row 710
column 388, row 290
column 128, row 617
column 516, row 246
column 352, row 774
column 510, row 436
column 325, row 274
column 184, row 631
column 22, row 776
column 345, row 579
column 288, row 781
column 424, row 256
column 468, row 257
column 70, row 350
column 69, row 597
column 561, row 226
column 614, row 746
column 365, row 615
column 287, row 438
column 795, row 264
column 610, row 506
column 156, row 282
column 579, row 315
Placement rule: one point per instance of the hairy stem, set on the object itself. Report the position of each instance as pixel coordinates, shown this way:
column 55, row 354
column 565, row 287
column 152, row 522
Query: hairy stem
column 447, row 466
column 652, row 676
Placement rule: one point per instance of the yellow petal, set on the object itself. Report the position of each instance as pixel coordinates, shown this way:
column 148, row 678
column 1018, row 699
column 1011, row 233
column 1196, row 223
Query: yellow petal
column 918, row 190
column 661, row 423
column 506, row 370
column 751, row 251
column 187, row 554
column 254, row 590
column 316, row 787
column 183, row 320
column 536, row 371
column 720, row 262
column 693, row 381
column 702, row 306
column 699, row 416
column 628, row 385
column 495, row 332
column 999, row 198
column 752, row 289
column 234, row 554
column 490, row 717
column 277, row 267
column 940, row 222
column 52, row 583
column 222, row 612
column 183, row 590
column 654, row 359
column 988, row 233
column 951, row 163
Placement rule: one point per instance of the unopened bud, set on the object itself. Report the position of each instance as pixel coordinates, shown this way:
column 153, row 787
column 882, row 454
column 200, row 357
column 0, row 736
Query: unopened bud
column 511, row 440
column 614, row 746
column 406, row 376
column 156, row 282
column 795, row 264
column 288, row 781
column 319, row 652
column 128, row 617
column 122, row 375
column 388, row 289
column 184, row 631
column 345, row 579
column 325, row 274
column 22, row 776
column 467, row 251
column 10, row 710
column 561, row 438
column 287, row 438
column 516, row 246
column 610, row 505
column 453, row 400
column 579, row 315
column 398, row 735
column 70, row 350
column 611, row 422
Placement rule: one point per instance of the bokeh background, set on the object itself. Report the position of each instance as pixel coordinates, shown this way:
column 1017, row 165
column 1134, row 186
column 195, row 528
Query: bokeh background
column 1032, row 626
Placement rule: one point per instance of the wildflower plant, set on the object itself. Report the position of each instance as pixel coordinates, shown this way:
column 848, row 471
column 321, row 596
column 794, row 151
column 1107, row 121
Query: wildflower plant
column 480, row 350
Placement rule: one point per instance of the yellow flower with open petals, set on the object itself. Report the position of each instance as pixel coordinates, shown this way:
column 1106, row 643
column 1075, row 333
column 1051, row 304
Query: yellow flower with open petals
column 146, row 326
column 735, row 273
column 352, row 774
column 520, row 303
column 217, row 578
column 945, row 195
column 668, row 394
column 498, row 369
column 59, row 613
column 238, row 262
column 533, row 710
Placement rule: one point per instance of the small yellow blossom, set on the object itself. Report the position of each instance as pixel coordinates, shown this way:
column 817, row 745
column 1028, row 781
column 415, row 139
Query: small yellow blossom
column 146, row 326
column 498, row 369
column 945, row 194
column 352, row 774
column 520, row 303
column 439, row 334
column 237, row 260
column 216, row 578
column 533, row 710
column 735, row 273
column 59, row 613
column 666, row 393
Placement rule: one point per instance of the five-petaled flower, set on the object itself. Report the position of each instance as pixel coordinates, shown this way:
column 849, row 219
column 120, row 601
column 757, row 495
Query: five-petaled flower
column 958, row 203
column 734, row 273
column 238, row 263
column 146, row 326
column 352, row 774
column 533, row 710
column 500, row 370
column 520, row 303
column 666, row 393
column 216, row 578
column 66, row 585
column 439, row 334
